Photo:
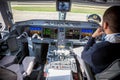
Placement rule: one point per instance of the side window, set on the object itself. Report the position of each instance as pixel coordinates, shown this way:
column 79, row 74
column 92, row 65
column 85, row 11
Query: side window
column 2, row 24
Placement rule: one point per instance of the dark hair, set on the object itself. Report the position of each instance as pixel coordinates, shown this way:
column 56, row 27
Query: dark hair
column 112, row 17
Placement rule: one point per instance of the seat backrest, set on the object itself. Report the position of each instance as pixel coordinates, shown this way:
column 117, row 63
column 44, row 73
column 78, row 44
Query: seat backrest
column 13, row 41
column 112, row 72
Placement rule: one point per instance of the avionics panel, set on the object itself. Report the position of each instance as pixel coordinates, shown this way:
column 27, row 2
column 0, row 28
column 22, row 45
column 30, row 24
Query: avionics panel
column 86, row 32
column 44, row 32
column 35, row 30
column 50, row 33
column 72, row 33
column 49, row 28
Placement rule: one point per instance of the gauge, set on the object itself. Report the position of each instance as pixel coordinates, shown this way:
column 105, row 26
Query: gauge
column 72, row 33
column 35, row 30
column 50, row 33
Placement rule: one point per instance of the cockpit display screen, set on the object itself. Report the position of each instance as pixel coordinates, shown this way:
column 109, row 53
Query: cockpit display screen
column 35, row 30
column 50, row 33
column 72, row 33
column 86, row 32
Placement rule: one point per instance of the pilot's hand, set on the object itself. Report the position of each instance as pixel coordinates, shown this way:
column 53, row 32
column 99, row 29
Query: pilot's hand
column 98, row 32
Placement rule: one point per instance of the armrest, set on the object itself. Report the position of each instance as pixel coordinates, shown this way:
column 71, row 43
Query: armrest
column 28, row 64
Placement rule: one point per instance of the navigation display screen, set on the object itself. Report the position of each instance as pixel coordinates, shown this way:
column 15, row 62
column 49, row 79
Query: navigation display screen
column 50, row 33
column 72, row 34
column 86, row 32
column 35, row 30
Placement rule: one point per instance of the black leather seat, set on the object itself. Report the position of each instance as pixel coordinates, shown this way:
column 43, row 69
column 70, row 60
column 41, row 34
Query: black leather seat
column 112, row 72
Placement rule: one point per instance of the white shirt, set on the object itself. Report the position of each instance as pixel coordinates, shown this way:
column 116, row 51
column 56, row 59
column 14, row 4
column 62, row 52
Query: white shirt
column 113, row 38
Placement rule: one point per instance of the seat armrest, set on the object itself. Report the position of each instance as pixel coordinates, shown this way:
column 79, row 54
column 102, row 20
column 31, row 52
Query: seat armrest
column 28, row 64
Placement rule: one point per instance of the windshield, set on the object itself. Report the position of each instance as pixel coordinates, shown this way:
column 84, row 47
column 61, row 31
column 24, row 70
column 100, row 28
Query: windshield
column 2, row 24
column 47, row 10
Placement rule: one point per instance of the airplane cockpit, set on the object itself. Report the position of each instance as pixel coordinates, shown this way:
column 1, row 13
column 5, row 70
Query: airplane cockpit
column 43, row 49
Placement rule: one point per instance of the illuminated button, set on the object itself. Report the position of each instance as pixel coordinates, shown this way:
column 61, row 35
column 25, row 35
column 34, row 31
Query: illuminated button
column 61, row 46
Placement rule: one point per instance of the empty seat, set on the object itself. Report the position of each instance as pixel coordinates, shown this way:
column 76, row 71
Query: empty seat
column 24, row 69
column 6, row 74
column 16, row 68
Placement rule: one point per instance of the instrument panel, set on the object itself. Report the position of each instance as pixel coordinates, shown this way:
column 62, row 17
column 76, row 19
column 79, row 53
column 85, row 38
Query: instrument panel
column 49, row 28
column 43, row 32
column 52, row 33
column 62, row 33
column 35, row 30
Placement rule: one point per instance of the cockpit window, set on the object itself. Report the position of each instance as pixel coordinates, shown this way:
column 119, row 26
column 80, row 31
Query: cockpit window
column 2, row 24
column 47, row 10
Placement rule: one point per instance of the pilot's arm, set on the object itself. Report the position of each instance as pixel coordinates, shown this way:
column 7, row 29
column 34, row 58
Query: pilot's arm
column 91, row 41
column 91, row 48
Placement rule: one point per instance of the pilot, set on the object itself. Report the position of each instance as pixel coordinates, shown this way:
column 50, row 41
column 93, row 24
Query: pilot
column 100, row 55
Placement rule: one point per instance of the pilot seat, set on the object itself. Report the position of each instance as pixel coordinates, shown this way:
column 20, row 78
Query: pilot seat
column 112, row 72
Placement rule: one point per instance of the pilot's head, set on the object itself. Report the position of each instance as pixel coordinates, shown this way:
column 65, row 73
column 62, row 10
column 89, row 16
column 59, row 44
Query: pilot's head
column 111, row 20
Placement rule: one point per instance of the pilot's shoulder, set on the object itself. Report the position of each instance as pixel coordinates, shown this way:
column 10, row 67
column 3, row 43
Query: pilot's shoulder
column 102, row 44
